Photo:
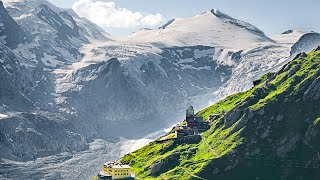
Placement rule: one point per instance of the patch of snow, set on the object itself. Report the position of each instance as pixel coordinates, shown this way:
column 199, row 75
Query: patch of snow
column 188, row 66
column 188, row 60
column 3, row 116
column 223, row 57
column 288, row 39
column 22, row 17
column 2, row 40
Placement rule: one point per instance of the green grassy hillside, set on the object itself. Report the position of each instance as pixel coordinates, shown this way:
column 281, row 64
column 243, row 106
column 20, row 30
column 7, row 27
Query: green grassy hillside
column 271, row 131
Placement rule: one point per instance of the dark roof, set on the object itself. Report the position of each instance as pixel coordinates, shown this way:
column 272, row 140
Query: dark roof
column 194, row 119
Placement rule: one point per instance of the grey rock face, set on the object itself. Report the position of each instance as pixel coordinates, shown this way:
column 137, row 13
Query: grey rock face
column 10, row 31
column 33, row 133
column 56, row 35
column 288, row 32
column 27, row 136
column 200, row 71
column 15, row 81
column 313, row 91
column 159, row 88
column 53, row 19
column 26, row 87
column 306, row 43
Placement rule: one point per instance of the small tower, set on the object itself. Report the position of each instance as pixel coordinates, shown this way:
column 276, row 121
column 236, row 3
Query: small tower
column 190, row 112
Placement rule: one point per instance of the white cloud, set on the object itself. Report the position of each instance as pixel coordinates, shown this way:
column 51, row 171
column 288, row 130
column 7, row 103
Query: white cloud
column 107, row 14
column 152, row 19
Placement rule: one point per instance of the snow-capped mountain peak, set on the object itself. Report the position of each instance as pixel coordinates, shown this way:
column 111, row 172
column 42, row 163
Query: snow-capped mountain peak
column 216, row 13
column 212, row 28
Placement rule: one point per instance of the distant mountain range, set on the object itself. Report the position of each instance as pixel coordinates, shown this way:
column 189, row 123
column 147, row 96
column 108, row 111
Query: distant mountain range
column 64, row 81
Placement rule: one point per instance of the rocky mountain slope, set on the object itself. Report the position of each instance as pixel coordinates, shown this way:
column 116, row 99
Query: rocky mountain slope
column 10, row 32
column 26, row 131
column 268, row 132
column 306, row 43
column 56, row 34
column 29, row 129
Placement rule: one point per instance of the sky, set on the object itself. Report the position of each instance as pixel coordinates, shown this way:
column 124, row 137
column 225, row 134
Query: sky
column 123, row 17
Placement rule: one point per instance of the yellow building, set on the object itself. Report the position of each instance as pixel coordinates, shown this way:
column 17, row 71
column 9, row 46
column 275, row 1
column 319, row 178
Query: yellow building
column 117, row 170
column 120, row 171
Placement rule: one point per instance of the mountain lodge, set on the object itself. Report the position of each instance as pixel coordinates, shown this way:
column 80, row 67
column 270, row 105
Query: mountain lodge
column 194, row 124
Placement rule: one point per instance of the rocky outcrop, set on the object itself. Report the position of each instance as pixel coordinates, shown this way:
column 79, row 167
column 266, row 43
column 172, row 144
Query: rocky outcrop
column 10, row 32
column 27, row 136
column 313, row 91
column 165, row 164
column 15, row 82
column 53, row 19
column 306, row 43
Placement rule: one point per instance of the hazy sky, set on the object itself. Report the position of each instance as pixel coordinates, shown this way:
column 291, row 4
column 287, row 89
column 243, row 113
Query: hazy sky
column 122, row 17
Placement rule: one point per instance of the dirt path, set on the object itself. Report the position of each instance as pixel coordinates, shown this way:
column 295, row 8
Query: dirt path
column 208, row 145
column 192, row 174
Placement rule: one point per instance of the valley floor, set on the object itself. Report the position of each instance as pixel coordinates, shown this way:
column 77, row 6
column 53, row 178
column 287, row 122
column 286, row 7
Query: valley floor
column 81, row 165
